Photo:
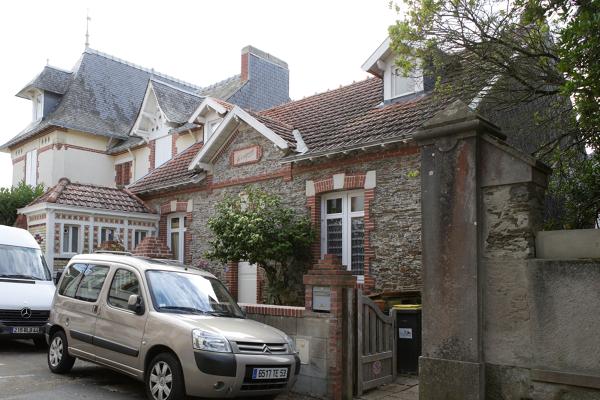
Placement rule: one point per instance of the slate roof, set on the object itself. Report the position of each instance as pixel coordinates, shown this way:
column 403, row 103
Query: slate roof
column 223, row 89
column 92, row 196
column 176, row 103
column 104, row 97
column 171, row 174
column 50, row 79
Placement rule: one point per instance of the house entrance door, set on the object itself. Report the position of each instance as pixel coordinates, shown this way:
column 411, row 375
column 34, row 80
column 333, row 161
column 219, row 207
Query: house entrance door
column 246, row 282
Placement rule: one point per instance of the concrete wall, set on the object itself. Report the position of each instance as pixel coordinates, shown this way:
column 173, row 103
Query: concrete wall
column 18, row 172
column 76, row 155
column 185, row 140
column 311, row 328
column 568, row 244
column 529, row 328
column 539, row 333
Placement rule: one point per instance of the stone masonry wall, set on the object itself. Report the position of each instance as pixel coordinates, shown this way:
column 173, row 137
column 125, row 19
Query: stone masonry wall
column 395, row 209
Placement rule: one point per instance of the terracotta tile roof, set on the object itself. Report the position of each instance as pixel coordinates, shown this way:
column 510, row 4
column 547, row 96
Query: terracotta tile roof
column 350, row 116
column 281, row 128
column 172, row 173
column 93, row 196
column 355, row 114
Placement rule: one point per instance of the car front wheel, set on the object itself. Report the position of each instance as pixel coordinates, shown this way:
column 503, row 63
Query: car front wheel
column 164, row 378
column 59, row 360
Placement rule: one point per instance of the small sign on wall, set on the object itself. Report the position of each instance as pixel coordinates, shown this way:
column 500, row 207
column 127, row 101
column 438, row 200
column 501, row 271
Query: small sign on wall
column 248, row 155
column 405, row 333
column 321, row 298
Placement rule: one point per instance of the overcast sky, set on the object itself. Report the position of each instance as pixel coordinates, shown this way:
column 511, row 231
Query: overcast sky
column 324, row 42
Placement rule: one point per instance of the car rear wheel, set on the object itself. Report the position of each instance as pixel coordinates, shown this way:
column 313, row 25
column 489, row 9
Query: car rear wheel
column 164, row 378
column 59, row 360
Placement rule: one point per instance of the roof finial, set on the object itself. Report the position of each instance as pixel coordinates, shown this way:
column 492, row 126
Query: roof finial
column 87, row 29
column 47, row 61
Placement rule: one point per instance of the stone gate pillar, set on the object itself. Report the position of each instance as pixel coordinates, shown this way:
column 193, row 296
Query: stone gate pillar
column 452, row 364
column 332, row 281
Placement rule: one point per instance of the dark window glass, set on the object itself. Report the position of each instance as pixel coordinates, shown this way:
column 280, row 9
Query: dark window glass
column 334, row 206
column 124, row 284
column 194, row 294
column 23, row 263
column 71, row 278
column 91, row 283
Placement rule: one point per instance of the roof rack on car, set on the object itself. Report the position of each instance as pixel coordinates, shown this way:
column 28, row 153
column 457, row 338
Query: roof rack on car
column 119, row 253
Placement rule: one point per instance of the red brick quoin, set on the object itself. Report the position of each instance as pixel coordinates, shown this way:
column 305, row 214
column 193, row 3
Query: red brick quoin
column 330, row 272
column 313, row 203
column 153, row 247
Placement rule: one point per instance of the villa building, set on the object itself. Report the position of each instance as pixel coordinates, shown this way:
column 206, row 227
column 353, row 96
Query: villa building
column 161, row 153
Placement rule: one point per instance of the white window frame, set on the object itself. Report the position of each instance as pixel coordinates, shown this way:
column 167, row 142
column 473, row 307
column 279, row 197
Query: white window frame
column 37, row 106
column 31, row 167
column 115, row 229
column 135, row 233
column 210, row 127
column 181, row 230
column 396, row 78
column 70, row 251
column 346, row 215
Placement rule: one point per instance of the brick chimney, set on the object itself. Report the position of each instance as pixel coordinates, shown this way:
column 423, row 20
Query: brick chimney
column 267, row 81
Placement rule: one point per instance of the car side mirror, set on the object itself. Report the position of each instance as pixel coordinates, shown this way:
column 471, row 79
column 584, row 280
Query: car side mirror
column 135, row 304
column 57, row 276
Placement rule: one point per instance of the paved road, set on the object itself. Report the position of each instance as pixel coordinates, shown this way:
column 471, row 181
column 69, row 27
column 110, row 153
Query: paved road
column 24, row 375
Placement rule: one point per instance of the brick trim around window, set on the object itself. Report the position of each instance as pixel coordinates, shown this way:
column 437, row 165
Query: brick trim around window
column 344, row 182
column 177, row 207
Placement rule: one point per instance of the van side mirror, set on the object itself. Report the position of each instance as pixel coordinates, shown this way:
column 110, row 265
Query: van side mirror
column 57, row 276
column 135, row 304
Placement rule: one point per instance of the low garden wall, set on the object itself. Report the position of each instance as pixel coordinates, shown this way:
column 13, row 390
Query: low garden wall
column 310, row 331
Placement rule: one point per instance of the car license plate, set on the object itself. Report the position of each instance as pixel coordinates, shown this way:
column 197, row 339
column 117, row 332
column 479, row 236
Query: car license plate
column 269, row 373
column 26, row 329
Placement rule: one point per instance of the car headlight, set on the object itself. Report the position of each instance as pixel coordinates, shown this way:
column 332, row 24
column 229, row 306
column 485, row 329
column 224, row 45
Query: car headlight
column 291, row 344
column 204, row 340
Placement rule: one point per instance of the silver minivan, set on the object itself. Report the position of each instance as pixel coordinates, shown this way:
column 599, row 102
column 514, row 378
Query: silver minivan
column 177, row 329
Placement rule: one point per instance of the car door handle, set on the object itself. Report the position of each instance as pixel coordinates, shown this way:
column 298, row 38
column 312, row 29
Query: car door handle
column 95, row 309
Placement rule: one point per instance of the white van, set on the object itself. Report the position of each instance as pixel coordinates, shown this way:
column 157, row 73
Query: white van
column 26, row 287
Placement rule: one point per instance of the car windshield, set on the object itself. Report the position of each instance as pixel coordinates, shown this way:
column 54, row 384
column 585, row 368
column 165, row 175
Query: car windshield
column 187, row 293
column 23, row 263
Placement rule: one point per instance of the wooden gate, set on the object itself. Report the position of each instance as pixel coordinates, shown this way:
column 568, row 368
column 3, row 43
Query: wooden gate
column 375, row 345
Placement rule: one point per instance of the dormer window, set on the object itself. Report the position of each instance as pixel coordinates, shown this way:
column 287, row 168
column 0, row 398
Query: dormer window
column 398, row 85
column 395, row 85
column 401, row 84
column 38, row 106
column 210, row 127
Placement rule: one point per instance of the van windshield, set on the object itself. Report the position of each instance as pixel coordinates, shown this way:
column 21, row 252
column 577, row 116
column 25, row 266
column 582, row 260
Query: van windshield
column 185, row 293
column 23, row 263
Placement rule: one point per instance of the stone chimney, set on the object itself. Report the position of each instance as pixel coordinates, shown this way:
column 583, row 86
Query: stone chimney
column 267, row 81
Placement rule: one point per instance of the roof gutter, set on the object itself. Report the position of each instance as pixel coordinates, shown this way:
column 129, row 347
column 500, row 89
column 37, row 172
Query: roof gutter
column 86, row 210
column 199, row 179
column 345, row 150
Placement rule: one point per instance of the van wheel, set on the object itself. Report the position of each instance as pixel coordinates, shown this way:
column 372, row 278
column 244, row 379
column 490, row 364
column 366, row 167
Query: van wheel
column 164, row 378
column 59, row 360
